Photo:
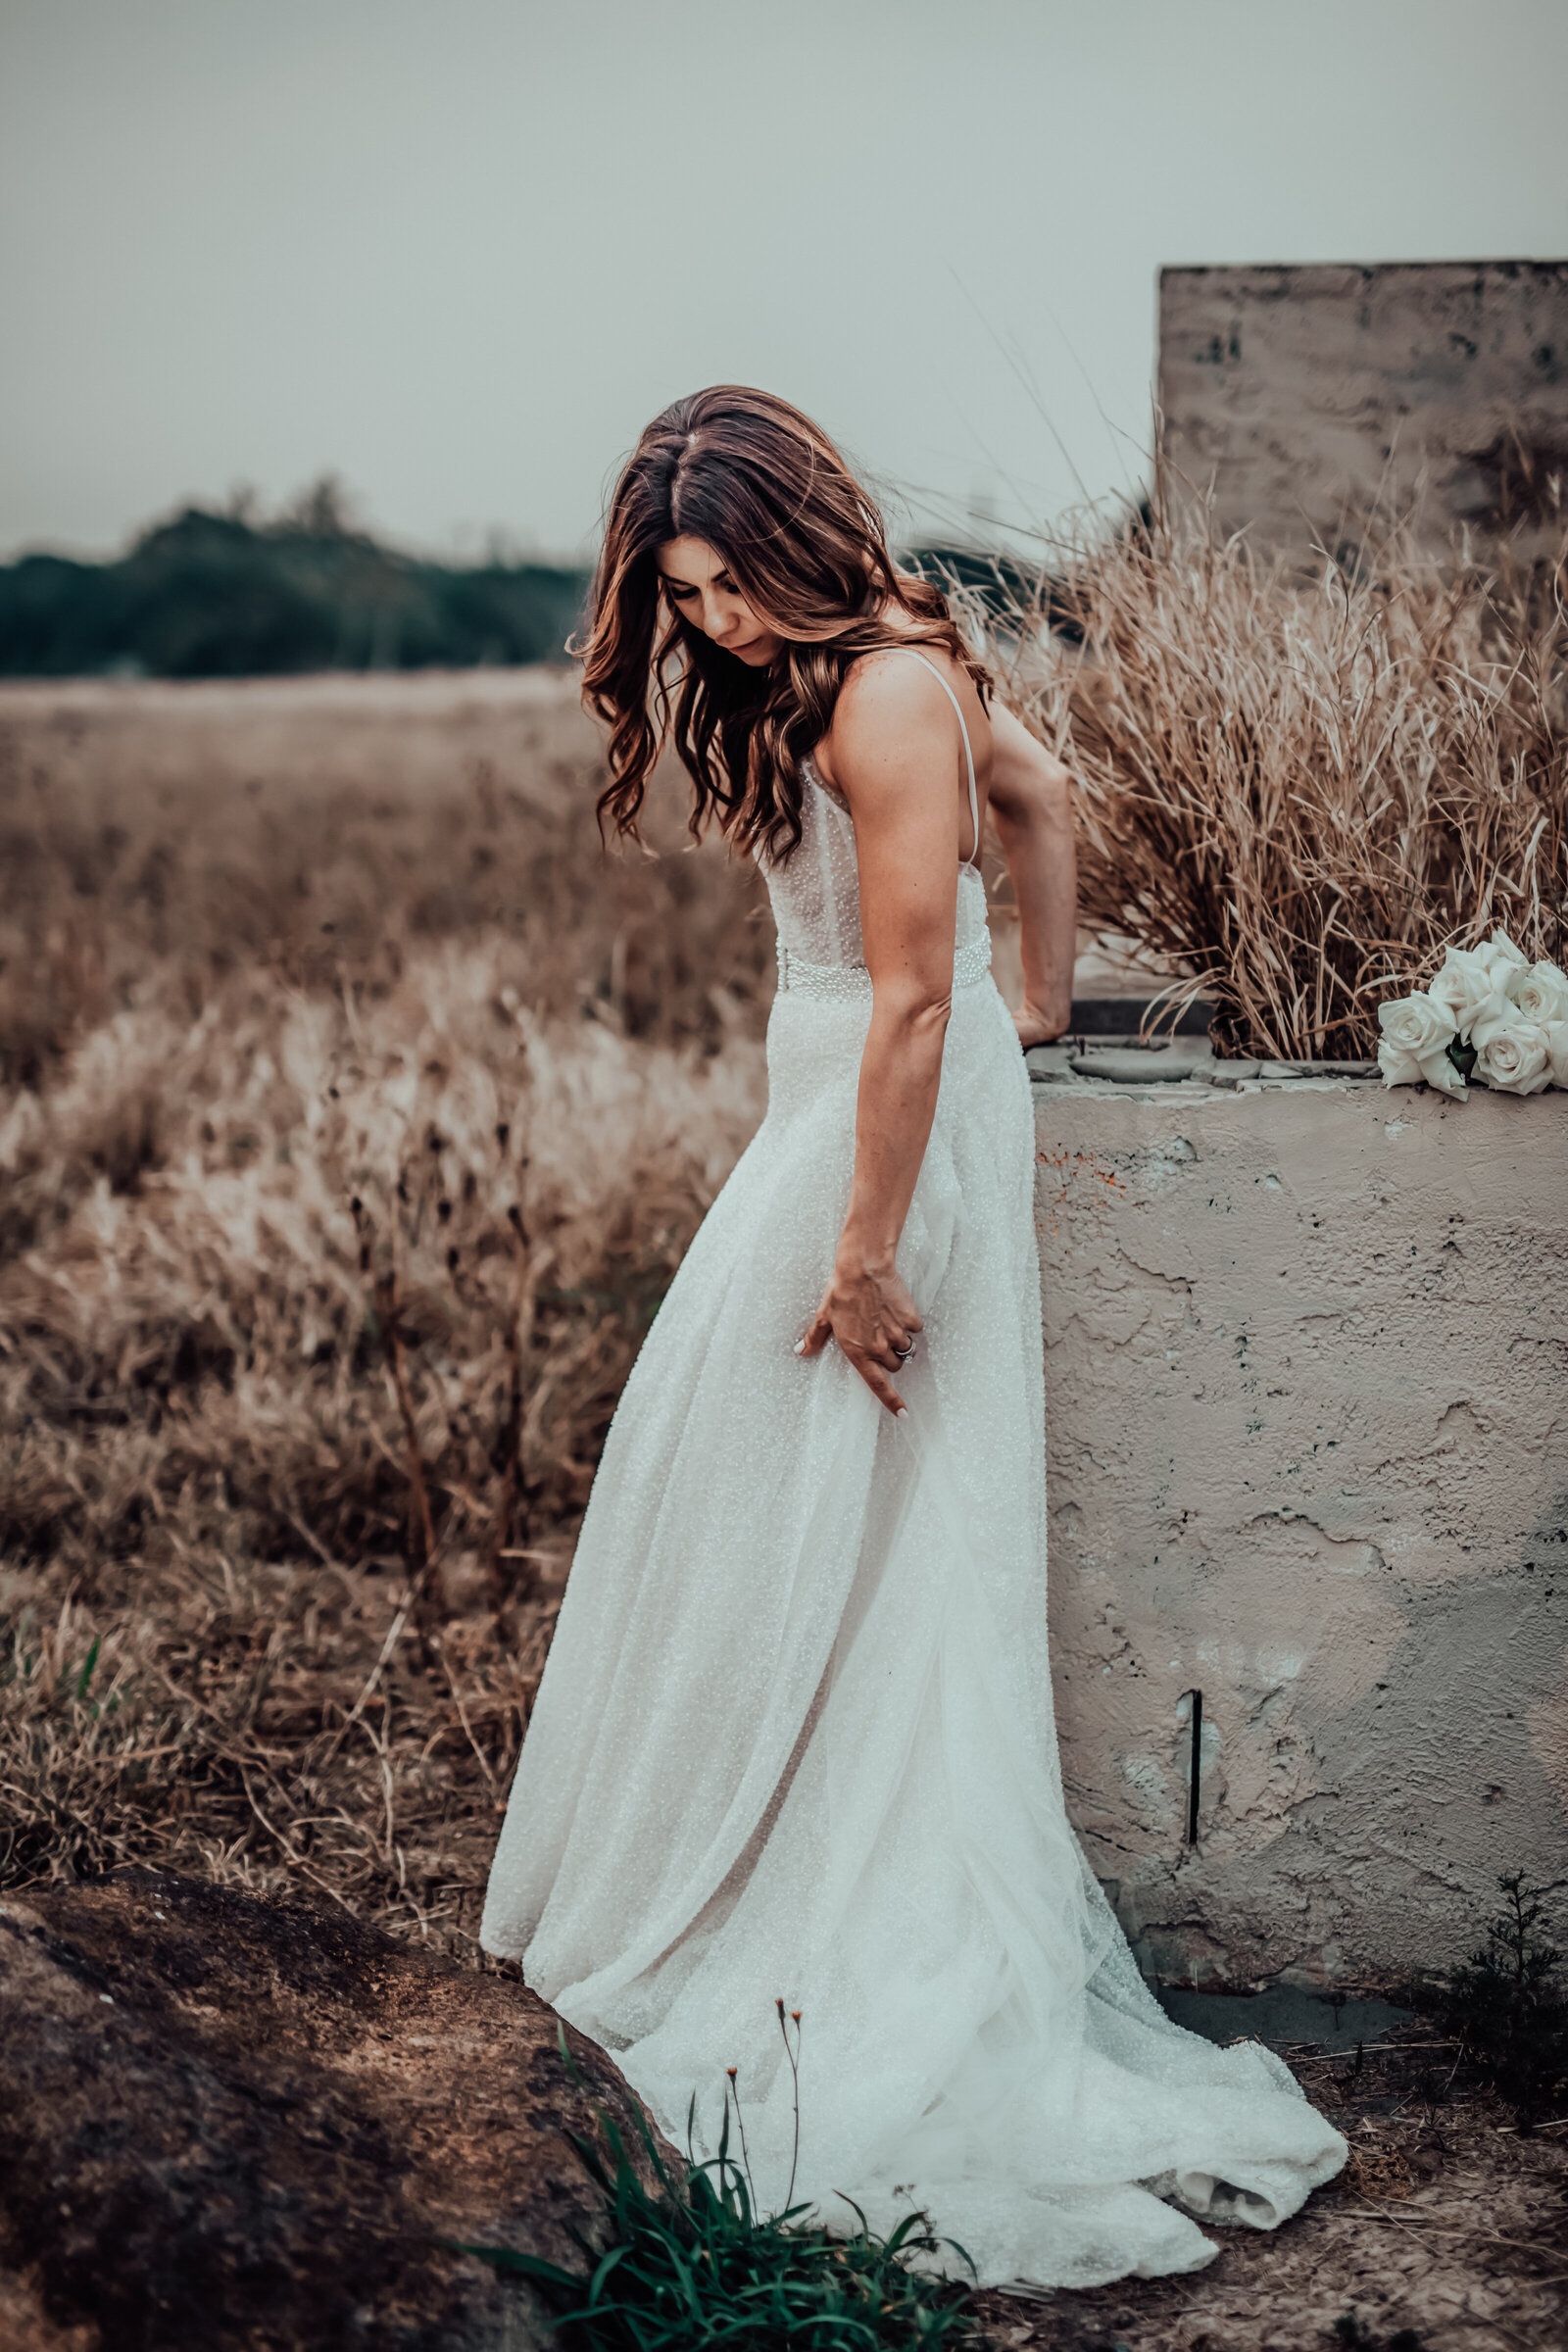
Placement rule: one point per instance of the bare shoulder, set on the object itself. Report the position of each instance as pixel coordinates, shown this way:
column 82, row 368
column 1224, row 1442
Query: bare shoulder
column 891, row 705
column 884, row 695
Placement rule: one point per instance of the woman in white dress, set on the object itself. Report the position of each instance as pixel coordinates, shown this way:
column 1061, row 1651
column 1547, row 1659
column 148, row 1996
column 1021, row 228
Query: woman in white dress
column 796, row 1737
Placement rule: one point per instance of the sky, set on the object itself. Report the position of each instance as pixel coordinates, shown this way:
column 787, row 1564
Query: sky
column 459, row 252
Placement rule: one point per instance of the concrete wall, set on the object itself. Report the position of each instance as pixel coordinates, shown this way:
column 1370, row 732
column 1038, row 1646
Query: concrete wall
column 1307, row 1440
column 1311, row 396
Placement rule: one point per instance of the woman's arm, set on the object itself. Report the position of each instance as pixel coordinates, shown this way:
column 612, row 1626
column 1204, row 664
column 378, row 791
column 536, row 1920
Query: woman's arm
column 1031, row 801
column 894, row 747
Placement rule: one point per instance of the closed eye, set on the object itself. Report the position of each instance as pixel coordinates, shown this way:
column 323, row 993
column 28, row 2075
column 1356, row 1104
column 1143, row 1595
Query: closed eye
column 677, row 589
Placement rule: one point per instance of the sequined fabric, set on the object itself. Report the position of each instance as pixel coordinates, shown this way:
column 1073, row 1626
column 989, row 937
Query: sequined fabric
column 841, row 981
column 796, row 1735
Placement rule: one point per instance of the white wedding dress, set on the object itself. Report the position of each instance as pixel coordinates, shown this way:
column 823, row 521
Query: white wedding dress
column 796, row 1733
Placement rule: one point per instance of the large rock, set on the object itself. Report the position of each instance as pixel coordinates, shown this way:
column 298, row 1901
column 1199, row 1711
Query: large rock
column 227, row 2122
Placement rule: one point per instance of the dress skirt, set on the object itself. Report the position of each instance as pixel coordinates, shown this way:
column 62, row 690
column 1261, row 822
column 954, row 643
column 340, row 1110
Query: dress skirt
column 796, row 1737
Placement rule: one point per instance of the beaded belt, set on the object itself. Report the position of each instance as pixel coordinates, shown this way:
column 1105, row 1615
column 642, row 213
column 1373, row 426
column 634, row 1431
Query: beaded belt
column 842, row 983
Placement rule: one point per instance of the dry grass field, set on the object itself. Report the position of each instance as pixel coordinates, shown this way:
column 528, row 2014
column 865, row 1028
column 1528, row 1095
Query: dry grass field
column 356, row 1113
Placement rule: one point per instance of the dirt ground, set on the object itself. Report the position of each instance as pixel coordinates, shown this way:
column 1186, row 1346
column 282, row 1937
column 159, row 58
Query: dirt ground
column 1448, row 2232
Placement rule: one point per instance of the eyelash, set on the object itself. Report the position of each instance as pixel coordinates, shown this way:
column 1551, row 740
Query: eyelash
column 678, row 593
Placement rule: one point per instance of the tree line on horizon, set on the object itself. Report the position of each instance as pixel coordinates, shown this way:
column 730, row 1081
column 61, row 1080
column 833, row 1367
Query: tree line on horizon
column 214, row 594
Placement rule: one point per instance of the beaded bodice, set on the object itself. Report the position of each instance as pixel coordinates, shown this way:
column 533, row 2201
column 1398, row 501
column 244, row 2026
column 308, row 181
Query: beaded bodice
column 817, row 897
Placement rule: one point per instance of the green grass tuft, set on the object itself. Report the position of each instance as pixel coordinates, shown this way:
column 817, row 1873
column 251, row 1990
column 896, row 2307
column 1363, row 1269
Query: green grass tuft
column 690, row 2264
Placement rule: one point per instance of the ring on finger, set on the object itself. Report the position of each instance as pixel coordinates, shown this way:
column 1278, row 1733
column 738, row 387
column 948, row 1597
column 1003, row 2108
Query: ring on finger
column 904, row 1354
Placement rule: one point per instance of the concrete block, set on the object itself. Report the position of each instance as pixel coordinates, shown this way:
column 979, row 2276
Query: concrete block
column 1310, row 397
column 1308, row 1454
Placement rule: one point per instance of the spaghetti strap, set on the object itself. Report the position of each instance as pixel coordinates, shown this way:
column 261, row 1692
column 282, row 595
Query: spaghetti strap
column 975, row 799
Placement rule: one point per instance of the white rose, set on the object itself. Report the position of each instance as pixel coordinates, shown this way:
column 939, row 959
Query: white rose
column 1401, row 1067
column 1502, row 957
column 1512, row 1054
column 1463, row 986
column 1540, row 990
column 1416, row 1023
column 1416, row 1036
column 1556, row 1034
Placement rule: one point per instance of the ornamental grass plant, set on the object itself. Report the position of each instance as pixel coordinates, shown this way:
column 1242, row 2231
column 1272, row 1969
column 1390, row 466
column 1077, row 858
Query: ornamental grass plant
column 1298, row 791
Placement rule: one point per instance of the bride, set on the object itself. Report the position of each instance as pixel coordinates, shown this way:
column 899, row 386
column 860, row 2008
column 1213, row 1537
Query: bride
column 796, row 1740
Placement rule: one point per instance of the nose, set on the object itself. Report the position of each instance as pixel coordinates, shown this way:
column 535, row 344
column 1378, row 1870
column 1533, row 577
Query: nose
column 720, row 619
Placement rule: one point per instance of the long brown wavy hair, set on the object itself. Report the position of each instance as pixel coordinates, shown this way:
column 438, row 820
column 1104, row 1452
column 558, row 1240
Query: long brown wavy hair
column 807, row 548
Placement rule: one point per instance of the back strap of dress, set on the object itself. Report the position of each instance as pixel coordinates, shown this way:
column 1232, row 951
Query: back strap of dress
column 975, row 799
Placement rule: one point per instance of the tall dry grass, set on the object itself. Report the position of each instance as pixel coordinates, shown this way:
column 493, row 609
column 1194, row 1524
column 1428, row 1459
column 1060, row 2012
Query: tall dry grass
column 1300, row 791
column 358, row 1116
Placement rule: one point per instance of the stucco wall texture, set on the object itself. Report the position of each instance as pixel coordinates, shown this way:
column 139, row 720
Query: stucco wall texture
column 1310, row 398
column 1308, row 1452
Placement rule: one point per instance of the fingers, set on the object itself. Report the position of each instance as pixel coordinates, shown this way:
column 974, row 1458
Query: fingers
column 875, row 1366
column 895, row 1348
column 891, row 1349
column 877, row 1380
column 816, row 1336
column 879, row 1366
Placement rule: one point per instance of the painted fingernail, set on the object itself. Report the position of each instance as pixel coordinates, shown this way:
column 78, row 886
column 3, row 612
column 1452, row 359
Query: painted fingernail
column 903, row 1413
column 800, row 1346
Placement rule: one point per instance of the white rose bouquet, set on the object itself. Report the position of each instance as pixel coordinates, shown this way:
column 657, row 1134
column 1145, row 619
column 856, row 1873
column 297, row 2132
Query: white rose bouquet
column 1489, row 1013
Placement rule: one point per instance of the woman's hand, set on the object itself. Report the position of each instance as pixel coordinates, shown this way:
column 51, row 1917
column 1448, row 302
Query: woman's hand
column 869, row 1311
column 1041, row 1028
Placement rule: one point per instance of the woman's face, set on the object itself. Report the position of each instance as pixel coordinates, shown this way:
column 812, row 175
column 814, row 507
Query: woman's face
column 700, row 587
